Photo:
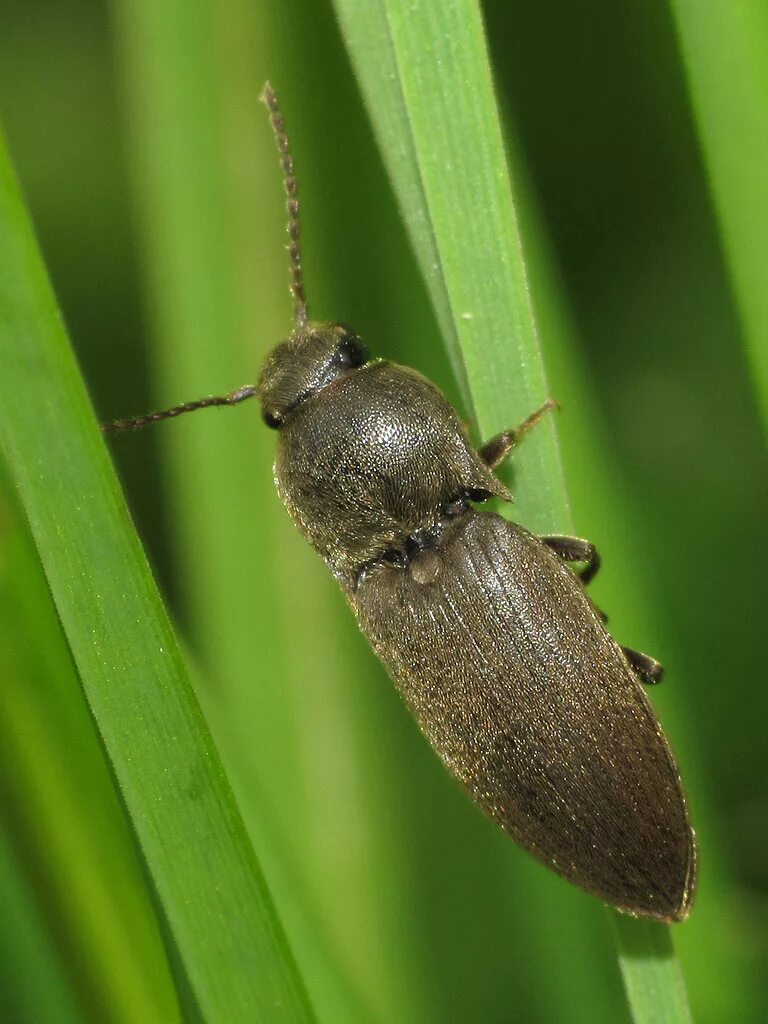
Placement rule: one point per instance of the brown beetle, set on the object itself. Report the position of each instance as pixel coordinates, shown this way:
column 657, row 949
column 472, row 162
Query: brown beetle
column 485, row 629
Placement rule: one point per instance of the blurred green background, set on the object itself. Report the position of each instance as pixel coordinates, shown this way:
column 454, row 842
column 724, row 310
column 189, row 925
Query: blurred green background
column 400, row 901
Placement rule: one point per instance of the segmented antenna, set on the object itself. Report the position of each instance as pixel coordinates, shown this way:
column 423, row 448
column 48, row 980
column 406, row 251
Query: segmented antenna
column 233, row 398
column 301, row 310
column 277, row 121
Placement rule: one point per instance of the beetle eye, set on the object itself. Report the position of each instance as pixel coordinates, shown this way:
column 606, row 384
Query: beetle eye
column 351, row 352
column 272, row 420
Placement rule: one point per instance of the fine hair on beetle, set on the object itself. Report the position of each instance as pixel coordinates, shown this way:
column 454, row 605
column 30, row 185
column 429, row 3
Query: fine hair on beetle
column 486, row 630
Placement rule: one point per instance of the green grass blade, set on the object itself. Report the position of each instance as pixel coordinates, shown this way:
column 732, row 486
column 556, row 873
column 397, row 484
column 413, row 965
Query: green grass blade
column 426, row 80
column 80, row 853
column 651, row 972
column 299, row 724
column 725, row 53
column 425, row 76
column 33, row 980
column 189, row 829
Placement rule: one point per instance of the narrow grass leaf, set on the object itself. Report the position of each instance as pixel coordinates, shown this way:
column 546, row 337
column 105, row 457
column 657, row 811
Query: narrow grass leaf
column 33, row 978
column 725, row 53
column 201, row 862
column 81, row 854
column 426, row 80
column 651, row 972
column 212, row 218
column 425, row 76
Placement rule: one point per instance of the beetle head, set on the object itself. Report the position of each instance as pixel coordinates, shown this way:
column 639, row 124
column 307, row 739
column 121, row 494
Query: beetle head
column 300, row 367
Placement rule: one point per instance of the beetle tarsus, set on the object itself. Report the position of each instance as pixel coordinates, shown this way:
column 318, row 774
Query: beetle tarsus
column 649, row 670
column 574, row 549
column 495, row 451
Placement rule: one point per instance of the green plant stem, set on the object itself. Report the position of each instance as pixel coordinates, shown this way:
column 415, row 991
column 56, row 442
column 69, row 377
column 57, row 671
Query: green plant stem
column 33, row 980
column 725, row 53
column 427, row 84
column 202, row 865
column 651, row 971
column 424, row 73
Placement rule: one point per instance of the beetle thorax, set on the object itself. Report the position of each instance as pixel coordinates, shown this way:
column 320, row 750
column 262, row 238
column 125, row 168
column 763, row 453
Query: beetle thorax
column 372, row 459
column 302, row 366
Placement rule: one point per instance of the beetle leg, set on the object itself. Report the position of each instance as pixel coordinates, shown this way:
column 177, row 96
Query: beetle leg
column 574, row 549
column 498, row 448
column 649, row 670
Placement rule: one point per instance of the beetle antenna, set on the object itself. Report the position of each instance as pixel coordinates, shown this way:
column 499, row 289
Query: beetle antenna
column 300, row 308
column 233, row 398
column 277, row 122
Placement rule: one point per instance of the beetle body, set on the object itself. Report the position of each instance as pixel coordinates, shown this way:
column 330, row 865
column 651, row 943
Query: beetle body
column 487, row 633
